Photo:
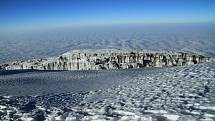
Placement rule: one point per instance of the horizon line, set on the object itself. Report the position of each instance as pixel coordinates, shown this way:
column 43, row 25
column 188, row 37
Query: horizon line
column 86, row 25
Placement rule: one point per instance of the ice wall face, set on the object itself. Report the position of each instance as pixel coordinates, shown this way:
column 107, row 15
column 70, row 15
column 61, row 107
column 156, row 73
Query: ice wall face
column 95, row 59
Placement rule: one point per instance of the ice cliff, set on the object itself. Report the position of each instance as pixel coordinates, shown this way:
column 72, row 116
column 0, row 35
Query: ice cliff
column 94, row 59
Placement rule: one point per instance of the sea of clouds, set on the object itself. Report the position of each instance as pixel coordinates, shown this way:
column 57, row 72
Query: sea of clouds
column 21, row 45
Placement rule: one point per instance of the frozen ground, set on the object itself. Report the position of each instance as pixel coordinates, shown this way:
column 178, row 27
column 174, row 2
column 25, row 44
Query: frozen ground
column 156, row 94
column 46, row 43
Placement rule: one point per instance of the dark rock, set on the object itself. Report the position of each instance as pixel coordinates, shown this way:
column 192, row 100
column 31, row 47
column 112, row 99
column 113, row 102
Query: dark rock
column 38, row 115
column 28, row 107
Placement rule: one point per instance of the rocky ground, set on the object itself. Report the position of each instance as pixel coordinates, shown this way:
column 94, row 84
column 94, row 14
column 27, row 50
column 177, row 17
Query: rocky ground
column 154, row 94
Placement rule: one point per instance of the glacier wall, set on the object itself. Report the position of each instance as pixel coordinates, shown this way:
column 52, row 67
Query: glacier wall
column 95, row 59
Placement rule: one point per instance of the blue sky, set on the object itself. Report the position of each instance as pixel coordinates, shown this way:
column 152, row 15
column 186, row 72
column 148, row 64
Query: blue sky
column 39, row 14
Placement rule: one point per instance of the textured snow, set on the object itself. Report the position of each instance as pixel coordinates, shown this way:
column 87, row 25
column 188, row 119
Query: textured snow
column 162, row 94
column 171, row 117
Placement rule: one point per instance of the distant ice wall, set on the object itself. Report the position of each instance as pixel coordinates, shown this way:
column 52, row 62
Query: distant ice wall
column 94, row 59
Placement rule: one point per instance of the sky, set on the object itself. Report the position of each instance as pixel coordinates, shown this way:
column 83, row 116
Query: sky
column 17, row 15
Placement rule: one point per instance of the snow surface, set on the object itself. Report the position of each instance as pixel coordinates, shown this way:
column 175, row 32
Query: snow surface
column 155, row 94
